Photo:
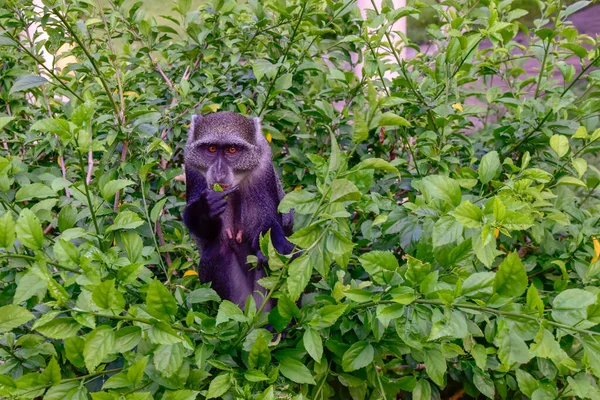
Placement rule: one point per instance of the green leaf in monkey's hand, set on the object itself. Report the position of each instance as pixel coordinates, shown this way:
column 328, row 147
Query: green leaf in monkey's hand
column 217, row 187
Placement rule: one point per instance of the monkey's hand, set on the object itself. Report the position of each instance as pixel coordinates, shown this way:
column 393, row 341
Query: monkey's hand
column 262, row 260
column 217, row 201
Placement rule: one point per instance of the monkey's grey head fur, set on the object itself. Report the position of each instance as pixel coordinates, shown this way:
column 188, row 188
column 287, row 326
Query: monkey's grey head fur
column 226, row 130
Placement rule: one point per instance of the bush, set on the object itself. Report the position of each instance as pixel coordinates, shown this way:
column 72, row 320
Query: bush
column 445, row 204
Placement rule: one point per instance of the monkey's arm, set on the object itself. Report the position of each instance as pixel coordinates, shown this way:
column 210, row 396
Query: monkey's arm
column 204, row 207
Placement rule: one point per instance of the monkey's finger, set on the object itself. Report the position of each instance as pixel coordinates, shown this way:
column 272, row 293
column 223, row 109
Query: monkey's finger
column 228, row 191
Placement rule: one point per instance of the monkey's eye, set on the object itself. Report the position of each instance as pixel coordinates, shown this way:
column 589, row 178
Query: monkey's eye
column 231, row 150
column 212, row 149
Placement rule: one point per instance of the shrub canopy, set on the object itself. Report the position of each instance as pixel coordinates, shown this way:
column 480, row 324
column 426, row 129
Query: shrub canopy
column 446, row 212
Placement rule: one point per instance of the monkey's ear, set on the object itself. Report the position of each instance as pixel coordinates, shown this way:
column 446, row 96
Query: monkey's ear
column 196, row 120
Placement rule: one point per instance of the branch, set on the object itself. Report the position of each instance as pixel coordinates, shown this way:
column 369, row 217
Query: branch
column 31, row 258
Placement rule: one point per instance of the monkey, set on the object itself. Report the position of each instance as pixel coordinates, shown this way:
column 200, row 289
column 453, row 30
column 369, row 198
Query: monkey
column 229, row 149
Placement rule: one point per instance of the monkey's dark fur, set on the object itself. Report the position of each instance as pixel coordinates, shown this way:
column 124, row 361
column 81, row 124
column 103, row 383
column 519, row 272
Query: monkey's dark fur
column 229, row 149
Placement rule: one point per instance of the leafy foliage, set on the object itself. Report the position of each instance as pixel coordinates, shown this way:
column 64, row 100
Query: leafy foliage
column 446, row 213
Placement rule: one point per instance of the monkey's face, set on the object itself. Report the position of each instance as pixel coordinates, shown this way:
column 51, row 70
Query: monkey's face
column 225, row 164
column 226, row 148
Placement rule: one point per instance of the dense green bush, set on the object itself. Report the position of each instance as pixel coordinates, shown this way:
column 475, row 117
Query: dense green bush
column 445, row 204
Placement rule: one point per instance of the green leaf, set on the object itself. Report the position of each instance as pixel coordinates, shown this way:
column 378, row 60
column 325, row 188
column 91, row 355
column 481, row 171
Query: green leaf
column 229, row 311
column 441, row 187
column 570, row 306
column 469, row 215
column 67, row 391
column 117, row 381
column 527, row 383
column 445, row 231
column 29, row 230
column 59, row 328
column 313, row 343
column 156, row 210
column 108, row 297
column 125, row 220
column 591, row 358
column 181, row 394
column 112, row 187
column 573, row 8
column 328, row 315
column 479, row 355
column 127, row 338
column 25, row 82
column 512, row 348
column 74, row 350
column 560, row 145
column 58, row 126
column 254, row 375
column 344, row 190
column 301, row 201
column 299, row 273
column 98, row 344
column 484, row 383
column 66, row 253
column 484, row 245
column 67, row 218
column 511, row 277
column 219, row 386
column 374, row 260
column 5, row 121
column 30, row 285
column 489, row 168
column 51, row 373
column 569, row 180
column 8, row 233
column 203, row 295
column 162, row 333
column 262, row 67
column 361, row 128
column 435, row 365
column 160, row 303
column 376, row 163
column 359, row 355
column 135, row 373
column 391, row 119
column 168, row 358
column 259, row 355
column 34, row 191
column 422, row 390
column 296, row 371
column 13, row 316
column 287, row 308
column 479, row 284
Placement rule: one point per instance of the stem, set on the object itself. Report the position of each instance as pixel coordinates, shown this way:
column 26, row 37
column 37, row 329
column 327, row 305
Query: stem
column 287, row 50
column 10, row 352
column 92, row 61
column 40, row 63
column 322, row 383
column 89, row 200
column 402, row 133
column 488, row 310
column 379, row 382
column 143, row 321
column 542, row 68
column 83, row 377
column 31, row 258
column 162, row 265
column 526, row 137
column 586, row 198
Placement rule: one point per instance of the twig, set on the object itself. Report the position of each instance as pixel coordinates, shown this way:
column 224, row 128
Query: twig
column 31, row 258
